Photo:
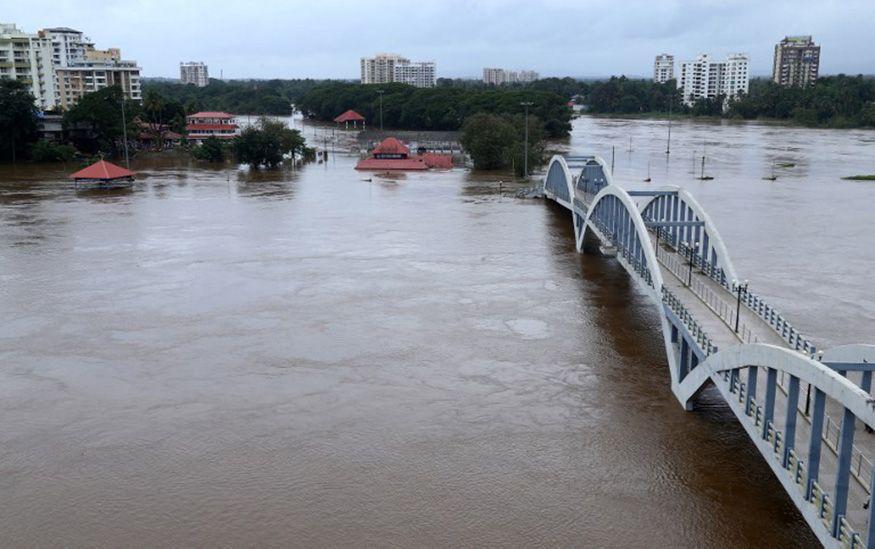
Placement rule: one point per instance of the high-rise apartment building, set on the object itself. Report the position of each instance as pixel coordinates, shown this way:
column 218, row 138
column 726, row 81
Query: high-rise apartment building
column 419, row 73
column 497, row 77
column 706, row 78
column 797, row 61
column 61, row 64
column 28, row 57
column 194, row 72
column 387, row 67
column 663, row 68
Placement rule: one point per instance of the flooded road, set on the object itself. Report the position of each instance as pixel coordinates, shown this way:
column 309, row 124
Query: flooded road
column 311, row 359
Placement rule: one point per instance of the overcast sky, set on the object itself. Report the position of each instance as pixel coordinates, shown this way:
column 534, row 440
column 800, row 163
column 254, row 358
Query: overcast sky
column 326, row 38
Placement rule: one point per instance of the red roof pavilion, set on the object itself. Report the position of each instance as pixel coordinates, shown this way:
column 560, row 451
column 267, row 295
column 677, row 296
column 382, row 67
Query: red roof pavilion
column 349, row 116
column 102, row 171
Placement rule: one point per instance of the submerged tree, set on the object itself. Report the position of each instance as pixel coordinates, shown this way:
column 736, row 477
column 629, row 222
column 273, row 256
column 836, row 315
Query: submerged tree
column 266, row 144
column 95, row 122
column 18, row 119
column 212, row 150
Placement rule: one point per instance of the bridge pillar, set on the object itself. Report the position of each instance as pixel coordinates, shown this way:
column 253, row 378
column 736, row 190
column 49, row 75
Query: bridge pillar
column 815, row 441
column 769, row 409
column 790, row 423
column 685, row 359
column 751, row 389
column 870, row 528
column 843, row 473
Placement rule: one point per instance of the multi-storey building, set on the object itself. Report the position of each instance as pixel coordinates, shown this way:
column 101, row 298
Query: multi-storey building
column 419, row 73
column 194, row 72
column 704, row 78
column 388, row 67
column 497, row 77
column 202, row 125
column 68, row 45
column 797, row 61
column 61, row 65
column 663, row 68
column 28, row 57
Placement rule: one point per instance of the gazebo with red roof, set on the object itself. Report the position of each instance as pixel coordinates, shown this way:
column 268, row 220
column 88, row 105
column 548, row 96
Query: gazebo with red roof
column 350, row 116
column 104, row 173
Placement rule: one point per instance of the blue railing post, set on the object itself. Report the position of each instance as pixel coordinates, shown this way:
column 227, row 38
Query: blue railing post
column 790, row 423
column 843, row 472
column 815, row 440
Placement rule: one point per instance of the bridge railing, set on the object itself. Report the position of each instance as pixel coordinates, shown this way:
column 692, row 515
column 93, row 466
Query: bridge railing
column 639, row 266
column 793, row 463
column 676, row 305
column 754, row 302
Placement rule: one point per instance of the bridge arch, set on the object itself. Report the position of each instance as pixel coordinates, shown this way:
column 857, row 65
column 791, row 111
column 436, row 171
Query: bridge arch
column 559, row 183
column 673, row 203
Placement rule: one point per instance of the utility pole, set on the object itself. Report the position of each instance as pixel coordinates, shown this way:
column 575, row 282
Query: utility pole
column 526, row 105
column 125, row 132
column 381, row 108
column 668, row 142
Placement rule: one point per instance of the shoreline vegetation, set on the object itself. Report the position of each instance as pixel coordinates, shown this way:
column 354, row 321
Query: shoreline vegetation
column 93, row 126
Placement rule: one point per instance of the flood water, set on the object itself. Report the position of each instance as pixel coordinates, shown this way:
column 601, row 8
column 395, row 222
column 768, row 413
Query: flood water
column 306, row 358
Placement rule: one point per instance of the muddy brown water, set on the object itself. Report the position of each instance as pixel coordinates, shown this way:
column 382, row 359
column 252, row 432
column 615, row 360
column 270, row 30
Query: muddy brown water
column 306, row 358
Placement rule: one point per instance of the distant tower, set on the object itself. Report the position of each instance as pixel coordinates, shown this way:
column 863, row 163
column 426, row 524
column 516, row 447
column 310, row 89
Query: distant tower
column 797, row 62
column 194, row 72
column 663, row 68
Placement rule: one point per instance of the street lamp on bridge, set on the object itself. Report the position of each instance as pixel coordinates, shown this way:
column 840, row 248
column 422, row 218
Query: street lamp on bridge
column 692, row 247
column 739, row 287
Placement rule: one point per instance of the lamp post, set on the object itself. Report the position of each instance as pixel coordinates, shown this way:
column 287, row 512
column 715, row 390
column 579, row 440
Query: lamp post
column 381, row 108
column 739, row 287
column 526, row 104
column 694, row 246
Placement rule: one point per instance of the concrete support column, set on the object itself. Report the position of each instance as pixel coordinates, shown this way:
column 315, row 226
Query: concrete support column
column 816, row 440
column 843, row 473
column 790, row 423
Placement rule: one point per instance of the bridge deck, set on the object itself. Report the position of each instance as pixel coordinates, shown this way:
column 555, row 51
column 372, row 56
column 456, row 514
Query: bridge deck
column 714, row 309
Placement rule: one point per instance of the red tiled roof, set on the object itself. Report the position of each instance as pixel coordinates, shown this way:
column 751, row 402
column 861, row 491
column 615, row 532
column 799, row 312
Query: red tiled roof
column 440, row 161
column 211, row 114
column 350, row 116
column 390, row 145
column 210, row 127
column 405, row 164
column 102, row 170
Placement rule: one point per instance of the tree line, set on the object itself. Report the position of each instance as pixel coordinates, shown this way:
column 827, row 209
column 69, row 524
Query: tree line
column 439, row 108
column 273, row 97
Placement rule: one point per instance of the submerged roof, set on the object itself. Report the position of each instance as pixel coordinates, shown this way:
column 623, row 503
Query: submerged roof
column 350, row 116
column 102, row 170
column 211, row 114
column 390, row 145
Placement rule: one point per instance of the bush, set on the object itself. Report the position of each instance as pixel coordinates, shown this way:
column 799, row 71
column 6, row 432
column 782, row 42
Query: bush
column 47, row 151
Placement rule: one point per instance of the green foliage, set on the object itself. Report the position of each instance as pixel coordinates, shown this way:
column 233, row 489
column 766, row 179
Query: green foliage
column 159, row 110
column 94, row 123
column 834, row 101
column 18, row 119
column 47, row 151
column 621, row 95
column 439, row 108
column 496, row 142
column 267, row 142
column 212, row 150
column 236, row 96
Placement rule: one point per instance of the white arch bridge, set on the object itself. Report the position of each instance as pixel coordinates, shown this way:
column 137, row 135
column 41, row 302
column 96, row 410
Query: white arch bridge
column 808, row 412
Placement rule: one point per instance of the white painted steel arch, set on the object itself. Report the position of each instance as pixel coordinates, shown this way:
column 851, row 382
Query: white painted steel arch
column 640, row 230
column 834, row 385
column 716, row 241
column 558, row 168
